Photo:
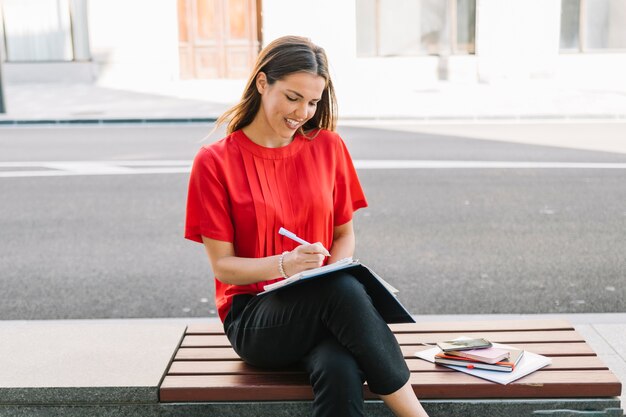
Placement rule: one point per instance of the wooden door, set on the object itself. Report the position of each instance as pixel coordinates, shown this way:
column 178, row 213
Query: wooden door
column 218, row 38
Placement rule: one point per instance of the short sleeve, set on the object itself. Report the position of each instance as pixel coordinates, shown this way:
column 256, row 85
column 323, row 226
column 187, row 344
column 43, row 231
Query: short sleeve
column 208, row 205
column 348, row 195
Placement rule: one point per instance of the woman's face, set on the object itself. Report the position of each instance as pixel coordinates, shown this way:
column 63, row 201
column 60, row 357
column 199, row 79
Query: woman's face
column 290, row 102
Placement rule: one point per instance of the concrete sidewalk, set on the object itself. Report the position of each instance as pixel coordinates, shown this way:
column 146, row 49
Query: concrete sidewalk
column 205, row 101
column 104, row 361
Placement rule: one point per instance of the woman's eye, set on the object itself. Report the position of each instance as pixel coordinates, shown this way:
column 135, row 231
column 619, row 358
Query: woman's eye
column 292, row 98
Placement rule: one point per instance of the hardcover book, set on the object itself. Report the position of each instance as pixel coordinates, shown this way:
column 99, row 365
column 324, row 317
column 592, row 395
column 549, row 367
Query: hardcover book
column 444, row 358
column 486, row 355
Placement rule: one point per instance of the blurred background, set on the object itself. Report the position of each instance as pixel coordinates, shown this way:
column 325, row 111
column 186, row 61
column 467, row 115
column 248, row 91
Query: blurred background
column 490, row 137
column 384, row 53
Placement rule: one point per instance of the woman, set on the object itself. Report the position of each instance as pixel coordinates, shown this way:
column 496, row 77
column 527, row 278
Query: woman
column 282, row 165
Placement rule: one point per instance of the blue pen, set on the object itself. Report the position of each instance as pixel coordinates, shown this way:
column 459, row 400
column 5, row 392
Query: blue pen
column 293, row 236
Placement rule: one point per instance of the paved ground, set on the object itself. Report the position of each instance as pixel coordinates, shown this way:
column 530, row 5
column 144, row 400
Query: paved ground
column 95, row 218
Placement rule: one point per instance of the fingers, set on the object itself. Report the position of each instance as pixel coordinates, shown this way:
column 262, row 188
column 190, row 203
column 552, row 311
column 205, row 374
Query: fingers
column 318, row 248
column 305, row 257
column 313, row 254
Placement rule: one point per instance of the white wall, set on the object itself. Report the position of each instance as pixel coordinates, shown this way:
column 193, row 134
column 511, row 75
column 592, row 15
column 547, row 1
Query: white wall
column 594, row 70
column 134, row 42
column 362, row 84
column 329, row 23
column 517, row 40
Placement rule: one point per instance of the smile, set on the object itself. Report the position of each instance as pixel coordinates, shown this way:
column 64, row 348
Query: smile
column 292, row 123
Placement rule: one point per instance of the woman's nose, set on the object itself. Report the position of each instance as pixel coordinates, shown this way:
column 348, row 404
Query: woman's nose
column 302, row 111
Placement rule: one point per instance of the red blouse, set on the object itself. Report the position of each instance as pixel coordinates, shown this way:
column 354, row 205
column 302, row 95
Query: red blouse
column 242, row 193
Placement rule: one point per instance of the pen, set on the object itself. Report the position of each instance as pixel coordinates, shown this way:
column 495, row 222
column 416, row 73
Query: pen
column 293, row 236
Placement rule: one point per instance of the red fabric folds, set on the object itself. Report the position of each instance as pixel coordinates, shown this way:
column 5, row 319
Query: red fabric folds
column 242, row 193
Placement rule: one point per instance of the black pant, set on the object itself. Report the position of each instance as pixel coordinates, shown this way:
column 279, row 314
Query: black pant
column 331, row 327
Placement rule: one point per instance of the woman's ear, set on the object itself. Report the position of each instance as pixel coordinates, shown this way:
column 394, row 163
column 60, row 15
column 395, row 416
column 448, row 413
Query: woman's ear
column 261, row 82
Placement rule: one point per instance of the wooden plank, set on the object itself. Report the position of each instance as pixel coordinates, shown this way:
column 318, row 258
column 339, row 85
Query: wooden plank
column 207, row 354
column 587, row 363
column 434, row 327
column 235, row 388
column 542, row 384
column 205, row 341
column 561, row 363
column 481, row 326
column 415, row 365
column 224, row 368
column 546, row 349
column 564, row 336
column 205, row 328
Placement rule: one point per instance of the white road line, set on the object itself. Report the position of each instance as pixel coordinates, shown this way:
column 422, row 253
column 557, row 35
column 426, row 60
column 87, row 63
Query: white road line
column 421, row 164
column 86, row 168
column 74, row 168
column 154, row 162
column 51, row 173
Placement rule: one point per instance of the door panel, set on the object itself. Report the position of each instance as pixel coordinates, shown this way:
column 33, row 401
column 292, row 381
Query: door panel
column 217, row 38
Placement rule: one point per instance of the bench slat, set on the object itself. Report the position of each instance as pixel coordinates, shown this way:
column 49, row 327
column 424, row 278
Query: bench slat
column 564, row 336
column 417, row 338
column 223, row 368
column 562, row 363
column 434, row 327
column 541, row 384
column 482, row 325
column 207, row 354
column 546, row 349
column 415, row 365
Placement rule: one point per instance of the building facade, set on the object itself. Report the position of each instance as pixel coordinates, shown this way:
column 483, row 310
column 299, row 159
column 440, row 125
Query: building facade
column 372, row 44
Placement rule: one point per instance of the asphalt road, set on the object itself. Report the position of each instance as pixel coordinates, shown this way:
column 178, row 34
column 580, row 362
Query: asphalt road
column 453, row 240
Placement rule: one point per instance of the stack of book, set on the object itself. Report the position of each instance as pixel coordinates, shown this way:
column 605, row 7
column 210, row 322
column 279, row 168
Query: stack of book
column 478, row 357
column 478, row 354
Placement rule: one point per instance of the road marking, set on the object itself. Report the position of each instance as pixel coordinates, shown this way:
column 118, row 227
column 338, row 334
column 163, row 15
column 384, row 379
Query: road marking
column 421, row 164
column 75, row 168
column 85, row 168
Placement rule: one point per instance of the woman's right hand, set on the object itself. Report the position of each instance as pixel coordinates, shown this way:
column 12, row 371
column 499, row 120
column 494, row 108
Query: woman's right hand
column 304, row 257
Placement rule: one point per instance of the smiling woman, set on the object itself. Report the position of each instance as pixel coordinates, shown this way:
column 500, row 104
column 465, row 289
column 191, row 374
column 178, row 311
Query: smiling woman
column 282, row 164
column 287, row 105
column 288, row 64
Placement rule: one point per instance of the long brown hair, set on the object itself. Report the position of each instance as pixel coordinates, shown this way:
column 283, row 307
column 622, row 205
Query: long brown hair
column 284, row 56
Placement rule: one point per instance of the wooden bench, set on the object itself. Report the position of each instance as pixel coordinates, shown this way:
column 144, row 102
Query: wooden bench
column 208, row 376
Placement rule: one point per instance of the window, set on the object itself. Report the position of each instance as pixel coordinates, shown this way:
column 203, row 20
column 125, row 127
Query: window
column 593, row 25
column 415, row 27
column 44, row 30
